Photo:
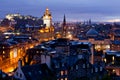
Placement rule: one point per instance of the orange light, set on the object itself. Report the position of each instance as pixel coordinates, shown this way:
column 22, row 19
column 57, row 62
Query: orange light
column 47, row 30
column 42, row 31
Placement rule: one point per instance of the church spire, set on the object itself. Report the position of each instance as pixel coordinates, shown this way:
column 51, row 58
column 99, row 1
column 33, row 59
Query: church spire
column 64, row 20
column 64, row 27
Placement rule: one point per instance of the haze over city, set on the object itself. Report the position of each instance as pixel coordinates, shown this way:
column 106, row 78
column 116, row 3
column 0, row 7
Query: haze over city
column 75, row 10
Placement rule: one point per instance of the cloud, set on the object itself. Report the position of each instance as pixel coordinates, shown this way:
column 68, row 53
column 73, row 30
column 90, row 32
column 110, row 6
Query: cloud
column 74, row 9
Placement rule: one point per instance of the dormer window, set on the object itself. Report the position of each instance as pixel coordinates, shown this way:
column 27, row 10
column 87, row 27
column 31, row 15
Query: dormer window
column 96, row 69
column 76, row 67
column 83, row 65
column 101, row 68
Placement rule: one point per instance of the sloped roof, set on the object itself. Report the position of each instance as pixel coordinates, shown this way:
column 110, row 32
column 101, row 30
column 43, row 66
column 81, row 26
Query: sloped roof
column 92, row 32
column 36, row 72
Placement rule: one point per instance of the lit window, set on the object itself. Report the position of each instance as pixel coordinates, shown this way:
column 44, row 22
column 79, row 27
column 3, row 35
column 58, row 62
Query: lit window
column 3, row 52
column 113, row 58
column 61, row 79
column 105, row 60
column 15, row 53
column 113, row 70
column 3, row 56
column 62, row 73
column 66, row 78
column 37, row 51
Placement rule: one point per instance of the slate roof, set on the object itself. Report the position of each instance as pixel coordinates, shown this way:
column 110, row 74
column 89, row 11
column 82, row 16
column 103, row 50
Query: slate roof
column 36, row 72
column 116, row 42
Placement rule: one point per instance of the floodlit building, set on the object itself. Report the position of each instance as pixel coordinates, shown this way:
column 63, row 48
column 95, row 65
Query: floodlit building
column 47, row 30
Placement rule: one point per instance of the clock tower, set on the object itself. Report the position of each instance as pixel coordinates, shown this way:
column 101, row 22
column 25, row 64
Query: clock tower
column 47, row 18
column 47, row 32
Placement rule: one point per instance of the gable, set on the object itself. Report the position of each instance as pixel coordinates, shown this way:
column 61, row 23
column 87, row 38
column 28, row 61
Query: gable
column 19, row 74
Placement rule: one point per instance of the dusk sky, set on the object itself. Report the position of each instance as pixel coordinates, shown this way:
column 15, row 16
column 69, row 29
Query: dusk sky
column 75, row 10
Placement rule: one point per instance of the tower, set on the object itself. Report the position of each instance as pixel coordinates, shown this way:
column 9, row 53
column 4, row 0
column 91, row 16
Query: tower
column 64, row 28
column 47, row 32
column 47, row 18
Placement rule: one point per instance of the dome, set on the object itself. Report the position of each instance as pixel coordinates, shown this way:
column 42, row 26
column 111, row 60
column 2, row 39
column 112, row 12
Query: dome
column 92, row 32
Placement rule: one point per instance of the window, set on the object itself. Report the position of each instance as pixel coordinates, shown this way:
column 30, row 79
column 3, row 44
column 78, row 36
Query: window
column 61, row 79
column 66, row 78
column 83, row 65
column 3, row 52
column 88, row 65
column 76, row 67
column 80, row 56
column 16, row 73
column 66, row 72
column 29, row 73
column 3, row 56
column 71, row 68
column 91, row 70
column 101, row 68
column 37, row 51
column 20, row 75
column 62, row 64
column 96, row 69
column 40, row 72
column 62, row 72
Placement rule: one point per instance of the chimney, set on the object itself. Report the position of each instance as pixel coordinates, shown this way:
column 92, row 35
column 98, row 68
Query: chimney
column 92, row 55
column 19, row 63
column 48, row 61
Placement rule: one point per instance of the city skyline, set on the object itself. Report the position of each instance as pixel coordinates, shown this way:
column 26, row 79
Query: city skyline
column 75, row 10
